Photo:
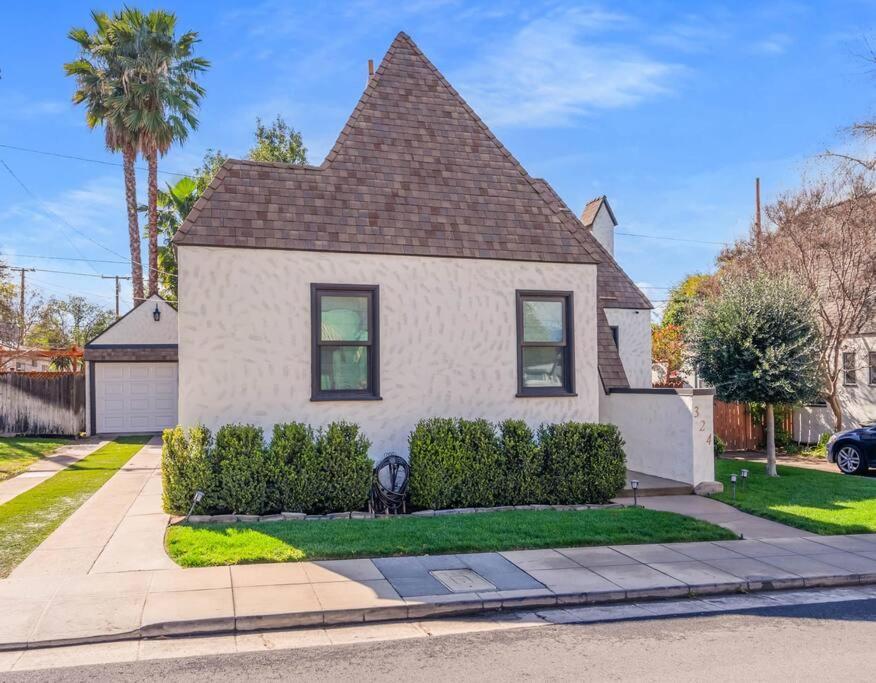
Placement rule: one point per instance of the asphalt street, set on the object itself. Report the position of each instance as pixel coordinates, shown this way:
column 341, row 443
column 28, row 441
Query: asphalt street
column 825, row 642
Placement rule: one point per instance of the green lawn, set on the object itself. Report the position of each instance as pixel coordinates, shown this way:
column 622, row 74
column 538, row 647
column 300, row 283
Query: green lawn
column 27, row 519
column 819, row 502
column 221, row 544
column 18, row 453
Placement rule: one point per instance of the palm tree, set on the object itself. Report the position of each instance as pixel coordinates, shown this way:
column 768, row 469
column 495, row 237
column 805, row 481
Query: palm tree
column 99, row 77
column 159, row 77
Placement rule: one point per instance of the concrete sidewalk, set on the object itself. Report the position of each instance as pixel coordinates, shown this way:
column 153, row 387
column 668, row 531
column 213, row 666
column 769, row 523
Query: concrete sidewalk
column 104, row 575
column 48, row 466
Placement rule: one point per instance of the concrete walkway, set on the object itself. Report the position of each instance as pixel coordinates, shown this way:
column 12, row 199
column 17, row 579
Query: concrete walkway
column 716, row 512
column 44, row 468
column 120, row 528
column 103, row 575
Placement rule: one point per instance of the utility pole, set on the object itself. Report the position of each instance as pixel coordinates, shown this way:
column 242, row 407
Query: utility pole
column 116, row 278
column 757, row 223
column 21, row 272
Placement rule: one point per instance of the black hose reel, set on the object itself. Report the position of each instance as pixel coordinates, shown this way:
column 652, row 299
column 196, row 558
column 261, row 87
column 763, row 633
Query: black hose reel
column 389, row 485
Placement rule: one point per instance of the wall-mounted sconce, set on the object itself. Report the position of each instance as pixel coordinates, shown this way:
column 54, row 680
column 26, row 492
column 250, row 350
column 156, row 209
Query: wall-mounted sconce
column 156, row 314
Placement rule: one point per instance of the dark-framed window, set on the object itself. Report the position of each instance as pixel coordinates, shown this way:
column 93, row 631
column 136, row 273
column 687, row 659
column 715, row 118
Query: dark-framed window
column 615, row 335
column 545, row 343
column 849, row 377
column 872, row 358
column 345, row 342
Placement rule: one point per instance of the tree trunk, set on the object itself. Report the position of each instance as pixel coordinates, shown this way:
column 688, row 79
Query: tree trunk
column 836, row 409
column 771, row 441
column 128, row 156
column 152, row 158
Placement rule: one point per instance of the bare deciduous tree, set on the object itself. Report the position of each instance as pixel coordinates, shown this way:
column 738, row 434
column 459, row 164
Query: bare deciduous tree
column 824, row 236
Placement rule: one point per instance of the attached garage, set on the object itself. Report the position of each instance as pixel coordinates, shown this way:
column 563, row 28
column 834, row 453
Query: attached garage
column 132, row 370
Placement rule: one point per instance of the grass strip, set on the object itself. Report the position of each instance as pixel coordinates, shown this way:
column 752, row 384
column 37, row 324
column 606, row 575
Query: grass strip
column 27, row 519
column 819, row 502
column 17, row 453
column 292, row 541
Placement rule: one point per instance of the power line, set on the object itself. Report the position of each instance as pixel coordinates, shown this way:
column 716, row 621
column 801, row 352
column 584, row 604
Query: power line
column 74, row 229
column 73, row 157
column 670, row 239
column 62, row 258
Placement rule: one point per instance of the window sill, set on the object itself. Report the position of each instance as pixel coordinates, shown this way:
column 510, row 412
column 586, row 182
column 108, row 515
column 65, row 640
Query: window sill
column 547, row 394
column 323, row 397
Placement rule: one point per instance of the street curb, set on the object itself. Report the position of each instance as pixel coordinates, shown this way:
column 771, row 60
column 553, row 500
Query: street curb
column 443, row 606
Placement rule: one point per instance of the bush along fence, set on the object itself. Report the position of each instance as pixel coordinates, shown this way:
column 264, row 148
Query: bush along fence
column 455, row 464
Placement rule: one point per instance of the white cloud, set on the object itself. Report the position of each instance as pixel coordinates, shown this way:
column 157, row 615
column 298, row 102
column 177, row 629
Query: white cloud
column 774, row 44
column 560, row 67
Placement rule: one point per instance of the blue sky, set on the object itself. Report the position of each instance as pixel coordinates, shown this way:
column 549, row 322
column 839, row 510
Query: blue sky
column 669, row 108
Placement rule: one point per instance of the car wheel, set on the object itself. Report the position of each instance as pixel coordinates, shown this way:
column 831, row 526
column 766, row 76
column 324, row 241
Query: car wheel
column 850, row 460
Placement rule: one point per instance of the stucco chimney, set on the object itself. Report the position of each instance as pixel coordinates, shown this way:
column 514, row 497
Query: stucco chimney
column 599, row 219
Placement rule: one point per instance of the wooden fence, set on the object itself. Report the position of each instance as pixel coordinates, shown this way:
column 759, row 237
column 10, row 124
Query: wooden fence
column 741, row 430
column 42, row 403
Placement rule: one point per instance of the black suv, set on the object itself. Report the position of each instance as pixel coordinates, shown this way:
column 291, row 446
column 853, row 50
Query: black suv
column 854, row 450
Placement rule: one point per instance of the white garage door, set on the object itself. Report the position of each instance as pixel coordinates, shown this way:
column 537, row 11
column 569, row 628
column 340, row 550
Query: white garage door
column 135, row 397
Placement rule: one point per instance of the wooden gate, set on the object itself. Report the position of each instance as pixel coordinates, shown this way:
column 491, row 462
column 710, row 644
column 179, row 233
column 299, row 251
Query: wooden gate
column 42, row 403
column 741, row 430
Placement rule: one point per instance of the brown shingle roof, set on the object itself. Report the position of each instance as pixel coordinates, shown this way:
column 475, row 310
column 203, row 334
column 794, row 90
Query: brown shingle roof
column 611, row 369
column 414, row 171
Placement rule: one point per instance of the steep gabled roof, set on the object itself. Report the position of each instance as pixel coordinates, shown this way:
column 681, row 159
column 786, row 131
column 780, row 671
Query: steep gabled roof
column 414, row 171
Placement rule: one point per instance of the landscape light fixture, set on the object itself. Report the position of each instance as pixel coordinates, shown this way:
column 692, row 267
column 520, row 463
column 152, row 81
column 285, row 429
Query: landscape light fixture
column 733, row 481
column 197, row 498
column 634, row 484
column 744, row 474
column 156, row 314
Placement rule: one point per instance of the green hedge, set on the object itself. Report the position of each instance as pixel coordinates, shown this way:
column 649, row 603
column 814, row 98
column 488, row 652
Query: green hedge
column 471, row 463
column 300, row 470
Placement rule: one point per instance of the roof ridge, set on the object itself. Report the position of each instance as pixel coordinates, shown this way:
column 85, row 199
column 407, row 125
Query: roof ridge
column 370, row 87
column 498, row 143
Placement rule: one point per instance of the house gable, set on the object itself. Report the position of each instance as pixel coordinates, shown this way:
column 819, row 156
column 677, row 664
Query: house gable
column 138, row 327
column 413, row 172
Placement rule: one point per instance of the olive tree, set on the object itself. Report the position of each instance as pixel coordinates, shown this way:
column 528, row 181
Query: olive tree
column 758, row 341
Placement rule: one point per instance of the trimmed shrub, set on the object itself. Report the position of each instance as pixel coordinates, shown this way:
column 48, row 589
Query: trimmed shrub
column 720, row 445
column 583, row 463
column 522, row 463
column 240, row 451
column 293, row 469
column 186, row 467
column 454, row 463
column 464, row 463
column 342, row 478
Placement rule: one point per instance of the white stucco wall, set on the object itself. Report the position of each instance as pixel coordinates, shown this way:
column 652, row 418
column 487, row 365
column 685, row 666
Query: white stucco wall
column 447, row 339
column 667, row 434
column 139, row 327
column 857, row 402
column 603, row 229
column 634, row 343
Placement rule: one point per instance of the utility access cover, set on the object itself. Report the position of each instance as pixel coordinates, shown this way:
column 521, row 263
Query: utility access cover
column 462, row 580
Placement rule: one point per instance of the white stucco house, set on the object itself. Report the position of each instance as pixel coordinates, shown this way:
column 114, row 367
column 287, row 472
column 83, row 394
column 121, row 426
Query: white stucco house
column 419, row 271
column 856, row 391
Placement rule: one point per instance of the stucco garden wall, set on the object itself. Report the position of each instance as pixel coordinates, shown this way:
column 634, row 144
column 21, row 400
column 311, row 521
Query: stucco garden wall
column 668, row 432
column 634, row 343
column 447, row 336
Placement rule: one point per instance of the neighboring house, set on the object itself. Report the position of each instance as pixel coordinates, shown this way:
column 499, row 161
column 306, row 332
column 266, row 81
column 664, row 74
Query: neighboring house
column 38, row 359
column 857, row 391
column 131, row 372
column 25, row 360
column 419, row 271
